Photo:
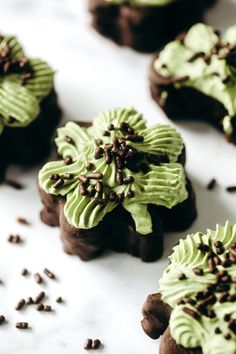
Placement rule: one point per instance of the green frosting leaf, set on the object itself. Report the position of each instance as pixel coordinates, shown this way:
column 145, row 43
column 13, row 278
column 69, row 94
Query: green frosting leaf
column 23, row 84
column 191, row 331
column 163, row 183
column 208, row 66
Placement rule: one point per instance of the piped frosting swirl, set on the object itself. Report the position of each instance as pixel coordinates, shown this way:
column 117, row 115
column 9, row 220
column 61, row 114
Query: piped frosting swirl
column 118, row 160
column 24, row 82
column 208, row 66
column 200, row 286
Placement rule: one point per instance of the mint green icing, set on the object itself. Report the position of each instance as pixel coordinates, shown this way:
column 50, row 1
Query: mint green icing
column 160, row 185
column 19, row 99
column 142, row 2
column 207, row 72
column 186, row 330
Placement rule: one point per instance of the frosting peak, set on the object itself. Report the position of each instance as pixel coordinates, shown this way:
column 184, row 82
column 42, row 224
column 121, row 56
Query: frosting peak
column 200, row 286
column 118, row 160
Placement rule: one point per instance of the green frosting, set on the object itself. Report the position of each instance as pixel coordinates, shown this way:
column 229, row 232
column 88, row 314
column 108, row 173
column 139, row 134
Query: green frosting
column 211, row 327
column 152, row 182
column 23, row 84
column 206, row 62
column 142, row 2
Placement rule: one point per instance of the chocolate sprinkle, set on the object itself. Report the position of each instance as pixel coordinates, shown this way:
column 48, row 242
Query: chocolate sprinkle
column 22, row 221
column 231, row 189
column 49, row 274
column 191, row 313
column 38, row 278
column 39, row 297
column 2, row 319
column 88, row 344
column 96, row 344
column 22, row 325
column 20, row 305
column 211, row 185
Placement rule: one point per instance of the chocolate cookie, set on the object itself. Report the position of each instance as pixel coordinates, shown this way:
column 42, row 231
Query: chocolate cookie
column 195, row 80
column 145, row 25
column 29, row 112
column 195, row 310
column 118, row 185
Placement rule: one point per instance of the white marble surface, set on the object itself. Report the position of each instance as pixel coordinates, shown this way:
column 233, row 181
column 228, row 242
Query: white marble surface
column 103, row 297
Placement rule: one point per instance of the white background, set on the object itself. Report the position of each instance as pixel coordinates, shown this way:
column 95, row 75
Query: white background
column 103, row 297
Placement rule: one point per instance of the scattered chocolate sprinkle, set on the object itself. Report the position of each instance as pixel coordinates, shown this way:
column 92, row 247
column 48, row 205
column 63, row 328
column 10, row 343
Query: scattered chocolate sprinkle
column 198, row 271
column 68, row 160
column 232, row 326
column 182, row 276
column 224, row 298
column 58, row 184
column 218, row 330
column 95, row 175
column 22, row 325
column 134, row 138
column 23, row 221
column 211, row 185
column 128, row 179
column 29, row 301
column 226, row 80
column 191, row 313
column 89, row 166
column 59, row 300
column 106, row 133
column 83, row 179
column 47, row 308
column 110, row 127
column 112, row 196
column 99, row 142
column 14, row 184
column 99, row 187
column 40, row 307
column 96, row 344
column 130, row 194
column 38, row 278
column 227, row 317
column 231, row 189
column 39, row 297
column 99, row 152
column 49, row 274
column 14, row 239
column 54, row 177
column 119, row 177
column 88, row 344
column 100, row 201
column 108, row 156
column 24, row 272
column 120, row 197
column 2, row 319
column 83, row 190
column 20, row 305
column 228, row 336
column 202, row 247
column 69, row 140
column 10, row 119
column 68, row 176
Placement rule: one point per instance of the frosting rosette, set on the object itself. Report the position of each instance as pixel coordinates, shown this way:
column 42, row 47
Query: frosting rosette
column 118, row 160
column 200, row 286
column 24, row 82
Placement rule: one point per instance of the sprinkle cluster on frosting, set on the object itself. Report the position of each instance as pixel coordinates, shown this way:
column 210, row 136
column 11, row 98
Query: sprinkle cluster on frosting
column 200, row 286
column 142, row 2
column 118, row 160
column 207, row 65
column 24, row 83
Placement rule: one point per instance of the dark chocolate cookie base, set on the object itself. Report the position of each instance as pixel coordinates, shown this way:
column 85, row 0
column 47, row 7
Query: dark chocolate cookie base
column 155, row 323
column 145, row 28
column 188, row 103
column 117, row 230
column 32, row 144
